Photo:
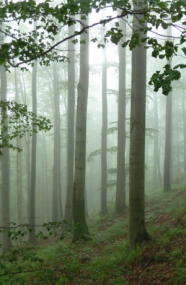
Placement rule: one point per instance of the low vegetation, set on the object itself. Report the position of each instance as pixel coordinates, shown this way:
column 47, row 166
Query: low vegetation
column 106, row 259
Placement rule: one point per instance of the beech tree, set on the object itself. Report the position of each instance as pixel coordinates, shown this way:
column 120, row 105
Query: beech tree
column 32, row 191
column 104, row 209
column 120, row 188
column 70, row 129
column 56, row 193
column 168, row 137
column 137, row 230
column 5, row 169
column 80, row 228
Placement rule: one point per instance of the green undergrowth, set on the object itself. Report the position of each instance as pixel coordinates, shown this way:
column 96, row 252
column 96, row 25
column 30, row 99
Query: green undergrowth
column 106, row 259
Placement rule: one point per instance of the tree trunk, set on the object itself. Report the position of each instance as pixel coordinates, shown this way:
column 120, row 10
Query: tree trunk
column 137, row 230
column 5, row 167
column 28, row 171
column 168, row 138
column 32, row 194
column 19, row 168
column 104, row 209
column 80, row 228
column 120, row 188
column 156, row 154
column 45, row 192
column 56, row 213
column 70, row 129
column 184, row 127
column 168, row 144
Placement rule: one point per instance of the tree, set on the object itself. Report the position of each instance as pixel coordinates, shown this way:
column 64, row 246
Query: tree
column 156, row 142
column 70, row 128
column 18, row 166
column 168, row 143
column 168, row 138
column 80, row 228
column 33, row 160
column 184, row 127
column 56, row 192
column 120, row 188
column 5, row 168
column 137, row 230
column 104, row 134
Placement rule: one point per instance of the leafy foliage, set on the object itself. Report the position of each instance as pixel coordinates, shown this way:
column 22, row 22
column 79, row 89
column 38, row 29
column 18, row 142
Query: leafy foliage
column 16, row 121
column 98, row 152
column 164, row 79
column 41, row 43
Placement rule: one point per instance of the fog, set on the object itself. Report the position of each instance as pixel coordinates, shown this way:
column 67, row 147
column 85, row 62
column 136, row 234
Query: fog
column 38, row 190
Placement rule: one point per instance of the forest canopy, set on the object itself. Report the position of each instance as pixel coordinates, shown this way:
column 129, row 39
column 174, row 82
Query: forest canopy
column 43, row 42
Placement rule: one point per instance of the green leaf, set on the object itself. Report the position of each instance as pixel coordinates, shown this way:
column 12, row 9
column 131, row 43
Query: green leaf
column 161, row 56
column 83, row 42
column 125, row 44
column 164, row 25
column 75, row 41
column 180, row 66
column 184, row 50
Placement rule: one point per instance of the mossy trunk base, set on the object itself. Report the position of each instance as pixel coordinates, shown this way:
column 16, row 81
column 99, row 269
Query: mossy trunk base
column 80, row 228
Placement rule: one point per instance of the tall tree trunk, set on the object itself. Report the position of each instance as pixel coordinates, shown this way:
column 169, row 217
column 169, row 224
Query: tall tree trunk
column 18, row 167
column 56, row 213
column 28, row 171
column 178, row 168
column 32, row 194
column 80, row 228
column 5, row 167
column 45, row 193
column 70, row 129
column 168, row 138
column 156, row 154
column 168, row 144
column 159, row 168
column 104, row 209
column 27, row 144
column 184, row 127
column 137, row 230
column 120, row 188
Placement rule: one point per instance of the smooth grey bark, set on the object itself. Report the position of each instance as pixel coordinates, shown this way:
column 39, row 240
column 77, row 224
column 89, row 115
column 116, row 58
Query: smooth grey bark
column 168, row 144
column 5, row 168
column 22, row 87
column 86, row 204
column 168, row 139
column 147, row 180
column 137, row 230
column 104, row 209
column 80, row 228
column 159, row 168
column 70, row 130
column 19, row 167
column 45, row 192
column 32, row 194
column 27, row 144
column 56, row 203
column 156, row 139
column 177, row 171
column 184, row 127
column 120, row 188
column 28, row 171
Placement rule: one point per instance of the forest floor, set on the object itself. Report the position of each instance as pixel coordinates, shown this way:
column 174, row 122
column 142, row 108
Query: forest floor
column 106, row 259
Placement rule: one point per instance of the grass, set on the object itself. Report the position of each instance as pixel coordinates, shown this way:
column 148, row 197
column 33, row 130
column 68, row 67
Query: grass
column 107, row 258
